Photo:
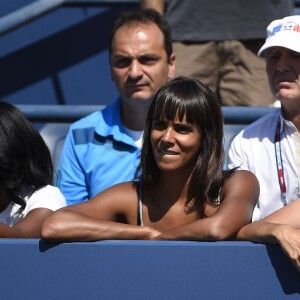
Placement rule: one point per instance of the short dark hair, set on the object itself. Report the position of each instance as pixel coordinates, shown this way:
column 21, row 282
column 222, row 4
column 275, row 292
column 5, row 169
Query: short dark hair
column 25, row 160
column 177, row 98
column 144, row 16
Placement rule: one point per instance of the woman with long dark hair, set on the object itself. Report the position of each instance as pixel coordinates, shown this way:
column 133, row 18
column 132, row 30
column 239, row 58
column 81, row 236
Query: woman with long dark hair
column 180, row 191
column 26, row 194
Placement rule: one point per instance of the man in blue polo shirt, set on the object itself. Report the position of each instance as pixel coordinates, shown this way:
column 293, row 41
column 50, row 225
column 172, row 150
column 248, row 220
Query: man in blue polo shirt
column 103, row 148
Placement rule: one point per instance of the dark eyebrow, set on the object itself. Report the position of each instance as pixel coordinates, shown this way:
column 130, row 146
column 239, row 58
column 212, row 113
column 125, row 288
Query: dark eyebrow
column 149, row 56
column 118, row 56
column 183, row 124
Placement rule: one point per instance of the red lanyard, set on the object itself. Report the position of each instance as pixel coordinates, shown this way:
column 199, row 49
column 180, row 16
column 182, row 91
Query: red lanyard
column 279, row 165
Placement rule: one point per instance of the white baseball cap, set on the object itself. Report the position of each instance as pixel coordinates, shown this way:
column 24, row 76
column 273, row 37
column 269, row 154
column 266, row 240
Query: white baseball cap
column 283, row 33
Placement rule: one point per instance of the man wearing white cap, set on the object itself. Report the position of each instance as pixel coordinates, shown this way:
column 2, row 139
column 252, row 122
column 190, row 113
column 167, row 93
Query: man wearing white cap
column 270, row 147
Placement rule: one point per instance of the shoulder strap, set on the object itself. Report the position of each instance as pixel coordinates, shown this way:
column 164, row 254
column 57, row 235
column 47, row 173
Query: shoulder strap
column 138, row 186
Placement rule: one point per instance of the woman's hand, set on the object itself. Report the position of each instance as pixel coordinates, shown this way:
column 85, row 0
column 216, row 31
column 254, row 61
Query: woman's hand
column 152, row 233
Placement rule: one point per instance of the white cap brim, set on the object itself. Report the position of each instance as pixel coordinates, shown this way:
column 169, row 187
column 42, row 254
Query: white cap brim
column 286, row 39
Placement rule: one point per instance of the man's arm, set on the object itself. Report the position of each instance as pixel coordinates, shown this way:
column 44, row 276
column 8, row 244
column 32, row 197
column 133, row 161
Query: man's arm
column 282, row 227
column 157, row 5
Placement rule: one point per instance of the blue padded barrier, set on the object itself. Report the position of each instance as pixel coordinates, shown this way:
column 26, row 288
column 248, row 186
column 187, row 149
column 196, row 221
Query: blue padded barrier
column 33, row 269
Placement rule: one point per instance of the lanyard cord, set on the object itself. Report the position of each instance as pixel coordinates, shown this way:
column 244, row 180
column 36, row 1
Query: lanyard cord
column 279, row 164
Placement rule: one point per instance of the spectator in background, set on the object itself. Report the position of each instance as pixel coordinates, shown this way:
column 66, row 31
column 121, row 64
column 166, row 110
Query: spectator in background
column 26, row 196
column 217, row 42
column 103, row 148
column 270, row 147
column 181, row 192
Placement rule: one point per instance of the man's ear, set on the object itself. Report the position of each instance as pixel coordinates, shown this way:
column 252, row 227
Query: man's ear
column 172, row 65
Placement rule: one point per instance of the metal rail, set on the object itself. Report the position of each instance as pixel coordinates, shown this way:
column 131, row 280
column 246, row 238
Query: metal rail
column 40, row 8
column 57, row 113
column 27, row 14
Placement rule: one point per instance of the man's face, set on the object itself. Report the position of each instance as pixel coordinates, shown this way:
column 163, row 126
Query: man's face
column 139, row 62
column 283, row 69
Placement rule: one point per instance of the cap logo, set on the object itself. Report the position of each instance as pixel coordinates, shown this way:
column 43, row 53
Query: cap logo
column 276, row 29
column 290, row 26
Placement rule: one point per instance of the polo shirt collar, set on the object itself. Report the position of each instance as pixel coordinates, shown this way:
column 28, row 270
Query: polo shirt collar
column 111, row 123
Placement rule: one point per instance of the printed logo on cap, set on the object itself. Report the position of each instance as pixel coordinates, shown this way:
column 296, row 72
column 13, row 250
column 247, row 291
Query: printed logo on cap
column 290, row 26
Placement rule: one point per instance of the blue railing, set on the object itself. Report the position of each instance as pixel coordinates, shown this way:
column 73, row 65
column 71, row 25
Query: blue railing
column 40, row 8
column 70, row 113
column 57, row 113
column 54, row 122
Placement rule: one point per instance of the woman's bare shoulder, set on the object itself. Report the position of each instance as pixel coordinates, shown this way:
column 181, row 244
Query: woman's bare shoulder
column 242, row 175
column 242, row 182
column 124, row 190
column 119, row 199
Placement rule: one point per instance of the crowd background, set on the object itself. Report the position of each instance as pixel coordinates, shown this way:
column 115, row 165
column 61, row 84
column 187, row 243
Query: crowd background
column 60, row 57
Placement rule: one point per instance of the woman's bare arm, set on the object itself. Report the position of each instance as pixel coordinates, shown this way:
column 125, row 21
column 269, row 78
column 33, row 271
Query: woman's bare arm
column 29, row 227
column 241, row 192
column 68, row 225
column 97, row 219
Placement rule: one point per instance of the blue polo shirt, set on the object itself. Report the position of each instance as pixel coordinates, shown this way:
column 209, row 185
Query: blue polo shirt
column 96, row 155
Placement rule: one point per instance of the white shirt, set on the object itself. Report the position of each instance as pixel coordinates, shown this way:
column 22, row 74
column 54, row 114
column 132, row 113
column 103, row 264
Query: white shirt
column 253, row 149
column 47, row 197
column 136, row 135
